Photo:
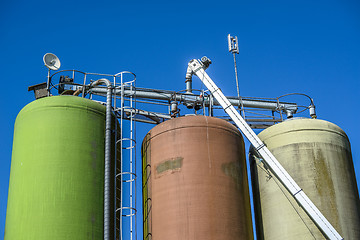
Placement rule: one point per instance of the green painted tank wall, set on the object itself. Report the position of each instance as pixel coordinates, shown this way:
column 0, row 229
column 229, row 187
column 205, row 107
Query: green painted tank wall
column 317, row 154
column 57, row 171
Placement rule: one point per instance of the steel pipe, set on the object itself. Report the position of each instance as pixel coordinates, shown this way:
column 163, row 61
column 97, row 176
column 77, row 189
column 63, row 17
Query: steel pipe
column 107, row 155
column 183, row 97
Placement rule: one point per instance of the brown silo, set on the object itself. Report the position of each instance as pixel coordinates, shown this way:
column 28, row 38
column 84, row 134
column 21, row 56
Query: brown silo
column 194, row 181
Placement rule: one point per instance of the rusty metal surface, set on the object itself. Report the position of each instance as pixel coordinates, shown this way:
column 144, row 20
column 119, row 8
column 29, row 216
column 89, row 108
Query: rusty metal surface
column 197, row 185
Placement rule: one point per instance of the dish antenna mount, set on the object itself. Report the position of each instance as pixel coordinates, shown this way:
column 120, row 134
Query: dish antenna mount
column 51, row 61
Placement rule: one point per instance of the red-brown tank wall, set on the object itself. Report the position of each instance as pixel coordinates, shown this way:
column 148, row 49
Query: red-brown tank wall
column 197, row 184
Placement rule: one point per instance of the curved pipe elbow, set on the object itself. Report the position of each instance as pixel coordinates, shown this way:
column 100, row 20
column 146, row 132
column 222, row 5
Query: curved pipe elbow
column 101, row 81
column 188, row 80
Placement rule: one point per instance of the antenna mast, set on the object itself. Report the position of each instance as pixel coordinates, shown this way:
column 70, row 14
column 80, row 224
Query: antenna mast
column 234, row 49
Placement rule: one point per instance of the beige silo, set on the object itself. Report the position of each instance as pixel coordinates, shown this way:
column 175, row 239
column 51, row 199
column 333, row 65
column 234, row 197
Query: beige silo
column 317, row 155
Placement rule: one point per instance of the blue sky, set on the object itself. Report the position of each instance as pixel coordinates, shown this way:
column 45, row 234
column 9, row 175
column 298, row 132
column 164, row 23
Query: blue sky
column 285, row 46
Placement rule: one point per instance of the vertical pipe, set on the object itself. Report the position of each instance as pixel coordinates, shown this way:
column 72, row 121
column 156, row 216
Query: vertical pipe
column 48, row 83
column 236, row 77
column 107, row 165
column 107, row 156
column 188, row 80
column 237, row 87
column 188, row 85
column 83, row 89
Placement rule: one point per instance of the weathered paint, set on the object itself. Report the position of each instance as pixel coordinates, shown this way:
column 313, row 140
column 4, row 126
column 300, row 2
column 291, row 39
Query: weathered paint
column 194, row 181
column 317, row 155
column 57, row 171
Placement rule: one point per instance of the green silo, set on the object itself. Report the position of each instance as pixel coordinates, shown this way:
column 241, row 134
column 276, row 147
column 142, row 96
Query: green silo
column 57, row 171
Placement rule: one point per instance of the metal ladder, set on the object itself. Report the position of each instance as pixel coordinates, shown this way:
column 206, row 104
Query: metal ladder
column 125, row 144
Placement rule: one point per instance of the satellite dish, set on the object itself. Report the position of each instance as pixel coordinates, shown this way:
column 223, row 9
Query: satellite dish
column 51, row 61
